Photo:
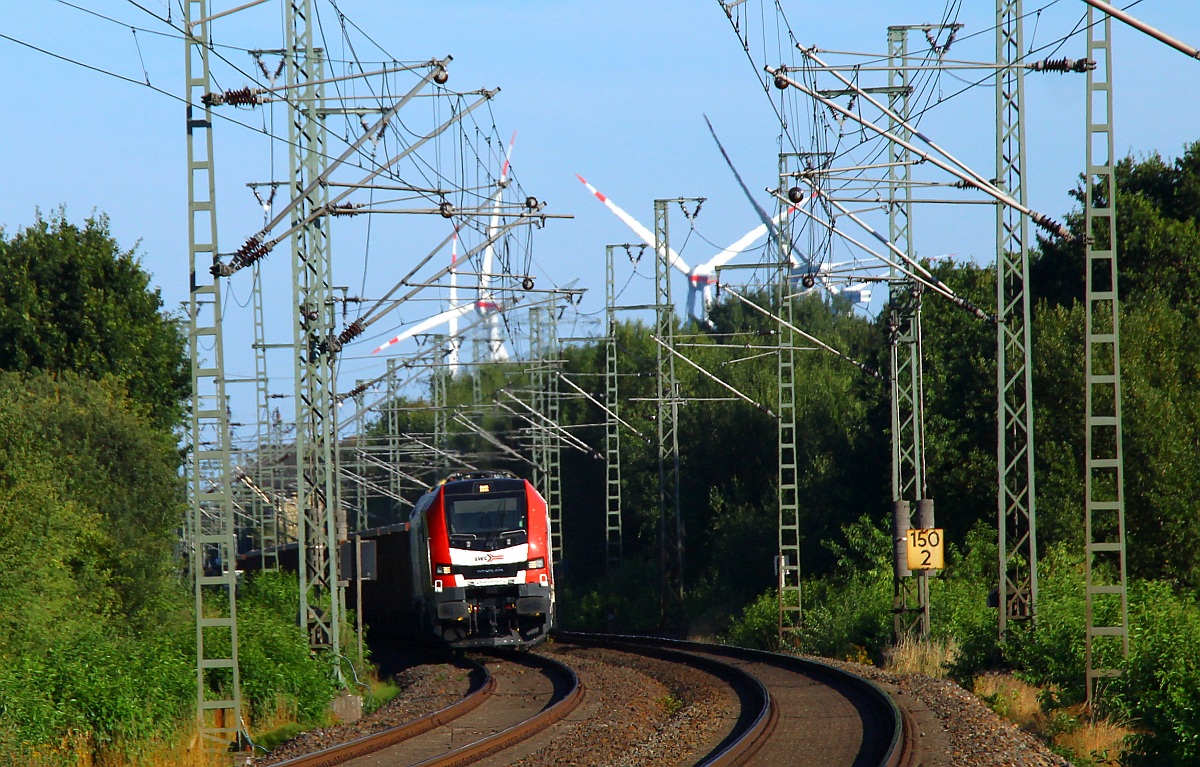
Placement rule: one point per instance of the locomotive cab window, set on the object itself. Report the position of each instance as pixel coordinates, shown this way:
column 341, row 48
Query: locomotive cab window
column 485, row 516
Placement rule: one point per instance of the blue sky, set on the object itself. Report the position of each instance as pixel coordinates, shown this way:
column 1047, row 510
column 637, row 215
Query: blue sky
column 614, row 91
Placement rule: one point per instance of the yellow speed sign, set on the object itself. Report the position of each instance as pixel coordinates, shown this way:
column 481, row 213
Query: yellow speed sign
column 925, row 548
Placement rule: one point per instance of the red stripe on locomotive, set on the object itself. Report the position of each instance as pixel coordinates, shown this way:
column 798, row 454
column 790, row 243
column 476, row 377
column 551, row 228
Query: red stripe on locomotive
column 539, row 534
column 439, row 538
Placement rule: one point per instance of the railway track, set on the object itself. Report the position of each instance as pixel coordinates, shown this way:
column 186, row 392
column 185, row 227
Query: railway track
column 523, row 696
column 815, row 714
column 784, row 710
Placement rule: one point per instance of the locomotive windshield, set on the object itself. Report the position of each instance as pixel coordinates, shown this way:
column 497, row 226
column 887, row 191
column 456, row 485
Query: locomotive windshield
column 485, row 516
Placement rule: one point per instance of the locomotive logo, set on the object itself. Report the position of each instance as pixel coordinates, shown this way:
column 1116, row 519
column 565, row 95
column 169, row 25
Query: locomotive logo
column 489, row 558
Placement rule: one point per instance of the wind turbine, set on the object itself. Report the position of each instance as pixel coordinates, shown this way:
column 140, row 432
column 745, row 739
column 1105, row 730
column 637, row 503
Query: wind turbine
column 702, row 278
column 449, row 317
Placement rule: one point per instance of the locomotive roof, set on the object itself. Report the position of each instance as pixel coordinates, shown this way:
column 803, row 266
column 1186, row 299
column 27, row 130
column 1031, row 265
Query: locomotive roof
column 492, row 482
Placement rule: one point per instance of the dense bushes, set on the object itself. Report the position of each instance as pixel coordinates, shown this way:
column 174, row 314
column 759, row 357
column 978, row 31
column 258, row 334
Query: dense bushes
column 1161, row 687
column 97, row 637
column 279, row 674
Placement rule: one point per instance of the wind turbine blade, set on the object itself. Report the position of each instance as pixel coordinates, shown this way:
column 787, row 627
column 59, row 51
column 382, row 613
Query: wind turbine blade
column 636, row 226
column 489, row 253
column 507, row 157
column 454, row 270
column 768, row 222
column 746, row 240
column 727, row 255
column 495, row 342
column 426, row 324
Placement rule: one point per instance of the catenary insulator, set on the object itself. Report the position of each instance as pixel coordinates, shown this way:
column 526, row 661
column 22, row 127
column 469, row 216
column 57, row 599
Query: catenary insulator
column 446, row 209
column 796, row 195
column 1052, row 226
column 1063, row 65
column 441, row 76
column 242, row 97
column 253, row 250
column 527, row 283
column 531, row 203
column 781, row 82
column 352, row 331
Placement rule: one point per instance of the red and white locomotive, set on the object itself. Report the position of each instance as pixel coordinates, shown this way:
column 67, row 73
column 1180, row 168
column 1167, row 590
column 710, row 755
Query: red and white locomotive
column 480, row 553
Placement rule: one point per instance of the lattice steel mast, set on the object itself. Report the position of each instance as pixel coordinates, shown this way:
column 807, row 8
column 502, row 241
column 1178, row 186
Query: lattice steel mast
column 670, row 516
column 547, row 445
column 612, row 429
column 790, row 610
column 910, row 604
column 213, row 542
column 320, row 527
column 267, row 508
column 1107, row 608
column 1016, row 500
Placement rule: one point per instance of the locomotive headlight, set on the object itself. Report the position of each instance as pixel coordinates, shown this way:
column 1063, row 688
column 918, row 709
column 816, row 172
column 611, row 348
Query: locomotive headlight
column 536, row 564
column 442, row 569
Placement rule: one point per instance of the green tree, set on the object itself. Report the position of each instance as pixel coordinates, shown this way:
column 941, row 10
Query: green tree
column 72, row 299
column 95, row 498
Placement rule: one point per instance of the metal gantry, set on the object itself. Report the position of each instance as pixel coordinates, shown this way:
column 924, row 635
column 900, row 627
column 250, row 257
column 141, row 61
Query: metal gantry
column 910, row 597
column 612, row 430
column 318, row 510
column 671, row 530
column 1107, row 609
column 212, row 540
column 790, row 612
column 266, row 506
column 1016, row 500
column 547, row 445
column 392, row 414
column 360, row 454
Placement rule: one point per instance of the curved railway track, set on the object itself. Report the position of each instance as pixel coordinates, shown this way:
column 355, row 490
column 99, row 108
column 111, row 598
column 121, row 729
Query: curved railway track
column 501, row 710
column 788, row 711
column 815, row 714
